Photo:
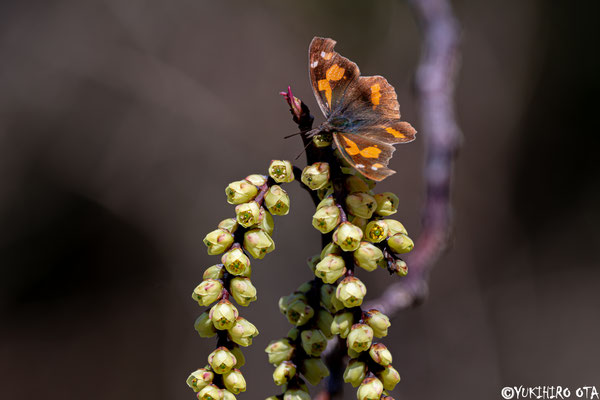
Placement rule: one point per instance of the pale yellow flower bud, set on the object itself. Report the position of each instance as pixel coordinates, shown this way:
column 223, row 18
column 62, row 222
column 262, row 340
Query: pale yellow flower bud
column 400, row 243
column 326, row 219
column 400, row 268
column 239, row 357
column 329, row 300
column 342, row 324
column 324, row 320
column 218, row 241
column 370, row 389
column 242, row 291
column 210, row 392
column 351, row 292
column 229, row 224
column 281, row 171
column 378, row 321
column 331, row 248
column 240, row 192
column 368, row 256
column 376, row 231
column 360, row 337
column 361, row 204
column 380, row 354
column 227, row 395
column 234, row 381
column 330, row 268
column 316, row 176
column 279, row 350
column 248, row 214
column 242, row 332
column 221, row 360
column 223, row 315
column 204, row 326
column 266, row 224
column 214, row 272
column 314, row 370
column 395, row 227
column 296, row 394
column 257, row 179
column 358, row 221
column 299, row 312
column 348, row 236
column 277, row 200
column 313, row 342
column 207, row 292
column 285, row 301
column 355, row 184
column 389, row 377
column 387, row 204
column 284, row 372
column 258, row 243
column 355, row 372
column 235, row 261
column 199, row 379
column 326, row 202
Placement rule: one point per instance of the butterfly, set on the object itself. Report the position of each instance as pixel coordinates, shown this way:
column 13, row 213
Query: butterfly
column 363, row 114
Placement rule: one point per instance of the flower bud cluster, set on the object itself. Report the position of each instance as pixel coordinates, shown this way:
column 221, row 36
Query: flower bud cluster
column 256, row 199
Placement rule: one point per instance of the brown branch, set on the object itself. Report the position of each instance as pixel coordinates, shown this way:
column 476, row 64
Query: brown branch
column 435, row 81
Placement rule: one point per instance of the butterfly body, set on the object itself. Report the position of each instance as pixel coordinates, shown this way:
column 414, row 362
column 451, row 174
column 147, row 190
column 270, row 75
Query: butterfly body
column 362, row 113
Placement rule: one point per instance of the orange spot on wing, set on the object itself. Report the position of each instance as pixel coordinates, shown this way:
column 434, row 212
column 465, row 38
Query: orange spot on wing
column 375, row 95
column 370, row 152
column 352, row 148
column 324, row 86
column 377, row 165
column 395, row 133
column 327, row 56
column 334, row 73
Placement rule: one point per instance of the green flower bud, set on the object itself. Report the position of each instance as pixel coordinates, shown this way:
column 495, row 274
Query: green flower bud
column 358, row 221
column 296, row 394
column 221, row 360
column 284, row 372
column 370, row 389
column 331, row 248
column 240, row 192
column 342, row 324
column 389, row 377
column 208, row 292
column 395, row 227
column 312, row 262
column 239, row 356
column 330, row 268
column 227, row 395
column 355, row 372
column 325, row 191
column 313, row 342
column 277, row 200
column 316, row 176
column 348, row 236
column 199, row 379
column 326, row 202
column 355, row 184
column 380, row 354
column 257, row 179
column 279, row 351
column 387, row 204
column 242, row 332
column 234, row 381
column 285, row 301
column 229, row 224
column 329, row 300
column 218, row 241
column 361, row 204
column 223, row 314
column 351, row 292
column 360, row 337
column 258, row 243
column 400, row 243
column 210, row 392
column 324, row 320
column 281, row 171
column 248, row 214
column 214, row 272
column 293, row 333
column 299, row 313
column 376, row 231
column 353, row 354
column 400, row 268
column 322, row 139
column 314, row 370
column 204, row 326
column 378, row 321
column 266, row 224
column 368, row 256
column 235, row 261
column 305, row 287
column 326, row 219
column 242, row 291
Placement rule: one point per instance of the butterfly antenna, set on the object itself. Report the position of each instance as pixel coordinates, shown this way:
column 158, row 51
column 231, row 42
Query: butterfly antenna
column 302, row 152
column 293, row 134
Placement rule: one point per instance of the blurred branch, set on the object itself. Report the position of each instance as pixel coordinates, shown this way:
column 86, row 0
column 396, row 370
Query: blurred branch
column 435, row 82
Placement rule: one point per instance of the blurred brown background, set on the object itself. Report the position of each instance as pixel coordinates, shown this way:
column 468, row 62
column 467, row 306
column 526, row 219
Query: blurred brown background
column 121, row 122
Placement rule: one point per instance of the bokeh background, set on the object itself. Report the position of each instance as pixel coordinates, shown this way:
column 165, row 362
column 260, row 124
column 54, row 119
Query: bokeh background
column 121, row 122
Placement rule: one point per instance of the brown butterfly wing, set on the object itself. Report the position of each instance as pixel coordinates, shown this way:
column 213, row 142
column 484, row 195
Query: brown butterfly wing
column 368, row 156
column 330, row 74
